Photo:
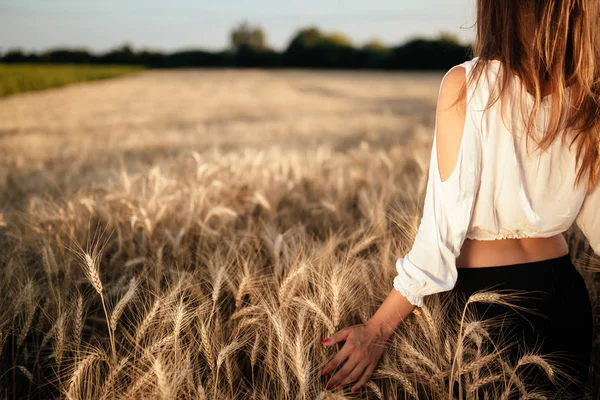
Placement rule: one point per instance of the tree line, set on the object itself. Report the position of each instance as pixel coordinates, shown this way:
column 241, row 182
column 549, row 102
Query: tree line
column 309, row 48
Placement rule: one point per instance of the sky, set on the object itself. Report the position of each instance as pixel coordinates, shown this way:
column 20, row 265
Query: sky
column 170, row 25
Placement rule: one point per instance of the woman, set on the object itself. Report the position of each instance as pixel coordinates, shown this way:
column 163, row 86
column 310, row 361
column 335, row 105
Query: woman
column 515, row 161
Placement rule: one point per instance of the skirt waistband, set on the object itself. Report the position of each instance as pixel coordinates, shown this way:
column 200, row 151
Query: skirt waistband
column 521, row 268
column 546, row 275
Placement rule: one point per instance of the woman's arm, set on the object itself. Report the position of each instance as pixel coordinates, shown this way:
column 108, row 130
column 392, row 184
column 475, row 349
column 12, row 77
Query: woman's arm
column 366, row 343
column 450, row 122
column 390, row 314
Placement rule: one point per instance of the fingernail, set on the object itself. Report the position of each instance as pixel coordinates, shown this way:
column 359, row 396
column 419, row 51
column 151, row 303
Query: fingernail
column 323, row 373
column 328, row 385
column 324, row 340
column 354, row 390
column 337, row 384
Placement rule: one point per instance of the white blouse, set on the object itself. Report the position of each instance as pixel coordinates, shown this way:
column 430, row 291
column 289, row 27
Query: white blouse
column 495, row 191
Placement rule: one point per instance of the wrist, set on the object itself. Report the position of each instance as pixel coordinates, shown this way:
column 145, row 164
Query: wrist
column 390, row 314
column 380, row 328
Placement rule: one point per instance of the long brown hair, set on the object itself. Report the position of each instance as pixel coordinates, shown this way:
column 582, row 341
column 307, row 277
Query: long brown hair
column 551, row 44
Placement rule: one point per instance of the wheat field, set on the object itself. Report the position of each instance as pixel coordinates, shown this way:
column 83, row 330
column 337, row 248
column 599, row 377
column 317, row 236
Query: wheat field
column 195, row 234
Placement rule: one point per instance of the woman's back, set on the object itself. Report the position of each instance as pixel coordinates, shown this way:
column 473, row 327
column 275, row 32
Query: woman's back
column 521, row 192
column 501, row 199
column 493, row 218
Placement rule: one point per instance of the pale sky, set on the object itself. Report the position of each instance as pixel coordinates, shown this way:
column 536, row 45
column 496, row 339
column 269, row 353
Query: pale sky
column 163, row 25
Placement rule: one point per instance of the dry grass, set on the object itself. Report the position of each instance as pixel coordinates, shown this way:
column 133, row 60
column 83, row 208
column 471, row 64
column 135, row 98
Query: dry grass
column 196, row 234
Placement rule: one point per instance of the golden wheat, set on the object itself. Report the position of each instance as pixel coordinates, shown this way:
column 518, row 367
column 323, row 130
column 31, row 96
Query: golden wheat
column 164, row 386
column 91, row 271
column 77, row 379
column 143, row 327
column 28, row 304
column 248, row 217
column 121, row 304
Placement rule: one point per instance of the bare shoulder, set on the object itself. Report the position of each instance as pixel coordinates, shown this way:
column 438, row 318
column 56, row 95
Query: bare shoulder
column 450, row 119
column 452, row 84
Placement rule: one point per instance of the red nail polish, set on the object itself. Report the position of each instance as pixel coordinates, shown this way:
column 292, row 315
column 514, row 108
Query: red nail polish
column 323, row 373
column 354, row 390
column 328, row 385
column 324, row 340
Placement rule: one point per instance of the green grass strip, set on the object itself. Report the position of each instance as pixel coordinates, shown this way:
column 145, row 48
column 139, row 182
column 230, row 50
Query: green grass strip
column 18, row 78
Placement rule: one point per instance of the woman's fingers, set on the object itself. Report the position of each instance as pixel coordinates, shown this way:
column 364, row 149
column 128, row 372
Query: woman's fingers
column 336, row 360
column 355, row 373
column 340, row 335
column 343, row 372
column 365, row 377
column 358, row 352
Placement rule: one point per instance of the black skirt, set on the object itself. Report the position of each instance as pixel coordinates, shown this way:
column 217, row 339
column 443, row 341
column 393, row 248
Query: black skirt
column 562, row 329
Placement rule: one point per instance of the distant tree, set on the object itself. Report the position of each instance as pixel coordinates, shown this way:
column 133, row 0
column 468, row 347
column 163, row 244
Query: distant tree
column 121, row 55
column 249, row 47
column 312, row 48
column 337, row 39
column 195, row 58
column 67, row 56
column 427, row 54
column 375, row 54
column 306, row 39
column 376, row 46
column 14, row 56
column 449, row 38
column 248, row 36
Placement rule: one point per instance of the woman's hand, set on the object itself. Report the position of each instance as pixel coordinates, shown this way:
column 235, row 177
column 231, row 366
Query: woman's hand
column 365, row 344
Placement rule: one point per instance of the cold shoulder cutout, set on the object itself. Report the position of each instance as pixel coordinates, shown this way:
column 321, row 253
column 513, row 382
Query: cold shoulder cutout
column 430, row 265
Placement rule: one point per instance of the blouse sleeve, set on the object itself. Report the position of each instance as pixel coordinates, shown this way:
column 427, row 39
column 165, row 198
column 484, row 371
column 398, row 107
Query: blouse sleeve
column 430, row 265
column 588, row 219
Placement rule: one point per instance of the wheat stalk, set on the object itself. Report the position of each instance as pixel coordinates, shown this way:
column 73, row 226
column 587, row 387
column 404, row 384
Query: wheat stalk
column 179, row 313
column 375, row 389
column 223, row 354
column 139, row 383
column 31, row 308
column 540, row 362
column 513, row 379
column 432, row 327
column 477, row 364
column 255, row 349
column 478, row 383
column 335, row 295
column 299, row 356
column 142, row 328
column 421, row 357
column 121, row 304
column 60, row 339
column 317, row 310
column 92, row 272
column 77, row 377
column 287, row 286
column 109, row 384
column 26, row 372
column 405, row 383
column 490, row 297
column 166, row 392
column 241, row 290
column 49, row 260
column 205, row 341
column 78, row 322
